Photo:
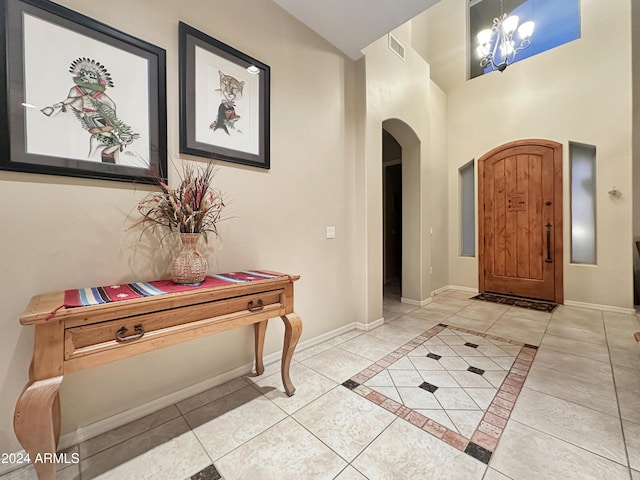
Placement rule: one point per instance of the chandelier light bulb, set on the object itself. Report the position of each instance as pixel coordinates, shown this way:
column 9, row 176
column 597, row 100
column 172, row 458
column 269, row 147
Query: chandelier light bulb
column 510, row 24
column 484, row 36
column 526, row 30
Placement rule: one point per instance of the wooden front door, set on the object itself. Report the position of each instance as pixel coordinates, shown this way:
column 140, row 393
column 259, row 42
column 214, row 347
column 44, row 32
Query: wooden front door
column 520, row 220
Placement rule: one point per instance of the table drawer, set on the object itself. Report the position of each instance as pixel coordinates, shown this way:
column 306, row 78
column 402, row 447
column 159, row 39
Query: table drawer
column 98, row 337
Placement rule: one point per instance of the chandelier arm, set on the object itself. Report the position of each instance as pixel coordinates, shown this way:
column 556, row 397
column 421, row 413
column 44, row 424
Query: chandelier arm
column 523, row 44
column 497, row 33
column 505, row 40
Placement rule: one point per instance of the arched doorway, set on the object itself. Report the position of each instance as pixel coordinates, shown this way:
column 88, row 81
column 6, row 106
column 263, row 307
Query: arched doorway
column 391, row 216
column 411, row 220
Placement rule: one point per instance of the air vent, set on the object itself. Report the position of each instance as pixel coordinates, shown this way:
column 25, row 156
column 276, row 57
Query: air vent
column 396, row 47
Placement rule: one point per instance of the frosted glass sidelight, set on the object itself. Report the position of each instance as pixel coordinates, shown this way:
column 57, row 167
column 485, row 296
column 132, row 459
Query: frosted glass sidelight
column 583, row 203
column 467, row 211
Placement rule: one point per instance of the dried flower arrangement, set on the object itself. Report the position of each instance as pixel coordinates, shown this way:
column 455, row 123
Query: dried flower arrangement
column 195, row 206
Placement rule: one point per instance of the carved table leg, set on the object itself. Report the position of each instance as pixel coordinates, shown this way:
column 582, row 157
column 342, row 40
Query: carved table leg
column 36, row 421
column 292, row 332
column 259, row 329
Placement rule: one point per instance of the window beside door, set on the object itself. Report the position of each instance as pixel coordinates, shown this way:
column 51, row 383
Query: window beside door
column 582, row 170
column 467, row 210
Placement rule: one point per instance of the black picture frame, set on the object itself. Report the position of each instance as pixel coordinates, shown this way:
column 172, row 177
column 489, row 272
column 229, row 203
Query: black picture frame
column 232, row 126
column 64, row 77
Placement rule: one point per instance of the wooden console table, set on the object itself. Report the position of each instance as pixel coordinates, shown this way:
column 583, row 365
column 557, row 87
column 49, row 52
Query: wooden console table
column 73, row 339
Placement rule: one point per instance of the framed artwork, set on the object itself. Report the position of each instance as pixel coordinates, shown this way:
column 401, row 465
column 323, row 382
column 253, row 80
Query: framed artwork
column 79, row 98
column 224, row 101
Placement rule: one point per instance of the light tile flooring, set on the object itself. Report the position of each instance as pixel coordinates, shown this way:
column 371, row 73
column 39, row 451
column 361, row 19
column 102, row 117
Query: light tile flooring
column 576, row 417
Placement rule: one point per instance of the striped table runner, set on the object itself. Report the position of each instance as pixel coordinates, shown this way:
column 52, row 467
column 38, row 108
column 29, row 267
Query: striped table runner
column 115, row 293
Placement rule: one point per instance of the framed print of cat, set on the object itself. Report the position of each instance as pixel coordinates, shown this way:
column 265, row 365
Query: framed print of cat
column 224, row 101
column 79, row 98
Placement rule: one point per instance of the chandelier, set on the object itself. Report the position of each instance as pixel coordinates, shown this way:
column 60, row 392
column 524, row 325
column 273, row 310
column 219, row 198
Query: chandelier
column 497, row 48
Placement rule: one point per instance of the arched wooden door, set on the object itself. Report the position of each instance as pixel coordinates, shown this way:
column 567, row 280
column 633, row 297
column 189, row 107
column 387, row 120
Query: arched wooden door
column 520, row 220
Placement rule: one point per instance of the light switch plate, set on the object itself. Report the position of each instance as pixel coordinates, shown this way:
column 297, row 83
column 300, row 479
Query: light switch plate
column 331, row 232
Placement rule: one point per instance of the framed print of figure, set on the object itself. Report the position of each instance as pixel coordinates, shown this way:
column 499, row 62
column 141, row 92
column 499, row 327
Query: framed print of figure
column 81, row 98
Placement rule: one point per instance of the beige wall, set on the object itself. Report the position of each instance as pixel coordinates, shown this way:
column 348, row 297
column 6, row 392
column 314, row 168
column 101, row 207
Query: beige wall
column 62, row 233
column 396, row 90
column 578, row 92
column 441, row 245
column 414, row 111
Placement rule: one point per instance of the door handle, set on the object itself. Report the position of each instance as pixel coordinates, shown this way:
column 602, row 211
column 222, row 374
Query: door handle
column 548, row 259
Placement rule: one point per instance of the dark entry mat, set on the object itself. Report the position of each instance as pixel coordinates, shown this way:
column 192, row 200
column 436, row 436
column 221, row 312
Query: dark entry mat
column 538, row 305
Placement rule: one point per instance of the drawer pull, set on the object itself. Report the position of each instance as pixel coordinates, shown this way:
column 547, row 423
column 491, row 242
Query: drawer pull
column 257, row 308
column 120, row 334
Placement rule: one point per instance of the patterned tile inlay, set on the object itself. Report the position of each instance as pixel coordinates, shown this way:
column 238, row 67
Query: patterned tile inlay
column 477, row 371
column 472, row 378
column 209, row 473
column 476, row 451
column 428, row 387
column 350, row 384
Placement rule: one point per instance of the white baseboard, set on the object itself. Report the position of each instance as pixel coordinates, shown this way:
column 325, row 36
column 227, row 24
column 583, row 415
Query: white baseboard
column 463, row 289
column 603, row 308
column 440, row 290
column 369, row 326
column 418, row 303
column 84, row 433
column 312, row 342
column 454, row 287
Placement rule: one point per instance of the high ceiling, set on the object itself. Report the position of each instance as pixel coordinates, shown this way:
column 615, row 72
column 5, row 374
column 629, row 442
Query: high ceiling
column 351, row 25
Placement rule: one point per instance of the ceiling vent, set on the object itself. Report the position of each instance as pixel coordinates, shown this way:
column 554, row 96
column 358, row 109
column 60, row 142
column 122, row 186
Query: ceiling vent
column 396, row 47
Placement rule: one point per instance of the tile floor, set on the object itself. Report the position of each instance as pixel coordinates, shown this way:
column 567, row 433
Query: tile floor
column 459, row 389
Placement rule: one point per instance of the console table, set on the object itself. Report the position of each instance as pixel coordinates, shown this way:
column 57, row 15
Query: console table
column 72, row 339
